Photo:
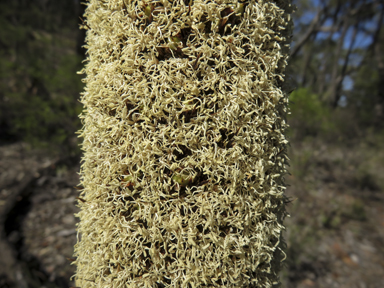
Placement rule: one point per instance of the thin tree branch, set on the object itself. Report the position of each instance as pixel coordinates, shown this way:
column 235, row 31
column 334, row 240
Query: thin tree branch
column 311, row 29
column 345, row 66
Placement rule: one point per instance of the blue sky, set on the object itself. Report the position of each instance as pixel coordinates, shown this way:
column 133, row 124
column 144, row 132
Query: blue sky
column 363, row 39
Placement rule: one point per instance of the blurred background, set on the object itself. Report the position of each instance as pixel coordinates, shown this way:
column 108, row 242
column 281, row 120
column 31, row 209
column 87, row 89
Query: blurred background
column 335, row 235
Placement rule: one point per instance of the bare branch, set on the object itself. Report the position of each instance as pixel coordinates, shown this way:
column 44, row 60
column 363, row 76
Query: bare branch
column 311, row 29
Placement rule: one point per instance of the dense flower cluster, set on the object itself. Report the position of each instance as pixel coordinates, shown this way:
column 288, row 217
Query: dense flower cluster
column 184, row 146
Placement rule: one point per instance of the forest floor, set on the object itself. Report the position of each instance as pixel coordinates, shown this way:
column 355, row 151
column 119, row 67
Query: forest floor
column 335, row 235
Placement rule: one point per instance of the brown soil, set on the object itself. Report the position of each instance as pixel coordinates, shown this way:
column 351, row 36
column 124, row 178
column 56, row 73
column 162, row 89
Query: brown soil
column 38, row 226
column 335, row 235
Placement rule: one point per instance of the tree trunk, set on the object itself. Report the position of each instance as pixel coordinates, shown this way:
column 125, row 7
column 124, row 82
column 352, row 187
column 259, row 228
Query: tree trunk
column 184, row 147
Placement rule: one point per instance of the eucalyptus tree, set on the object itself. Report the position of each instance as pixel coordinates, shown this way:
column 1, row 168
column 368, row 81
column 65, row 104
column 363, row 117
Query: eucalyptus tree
column 334, row 41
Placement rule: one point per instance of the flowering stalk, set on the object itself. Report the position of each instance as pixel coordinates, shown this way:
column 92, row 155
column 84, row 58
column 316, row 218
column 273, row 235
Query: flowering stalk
column 184, row 146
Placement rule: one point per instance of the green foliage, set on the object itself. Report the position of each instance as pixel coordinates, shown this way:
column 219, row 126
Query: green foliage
column 47, row 113
column 363, row 97
column 309, row 115
column 39, row 85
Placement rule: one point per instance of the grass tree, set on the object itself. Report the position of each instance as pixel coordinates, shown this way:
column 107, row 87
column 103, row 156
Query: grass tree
column 184, row 146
